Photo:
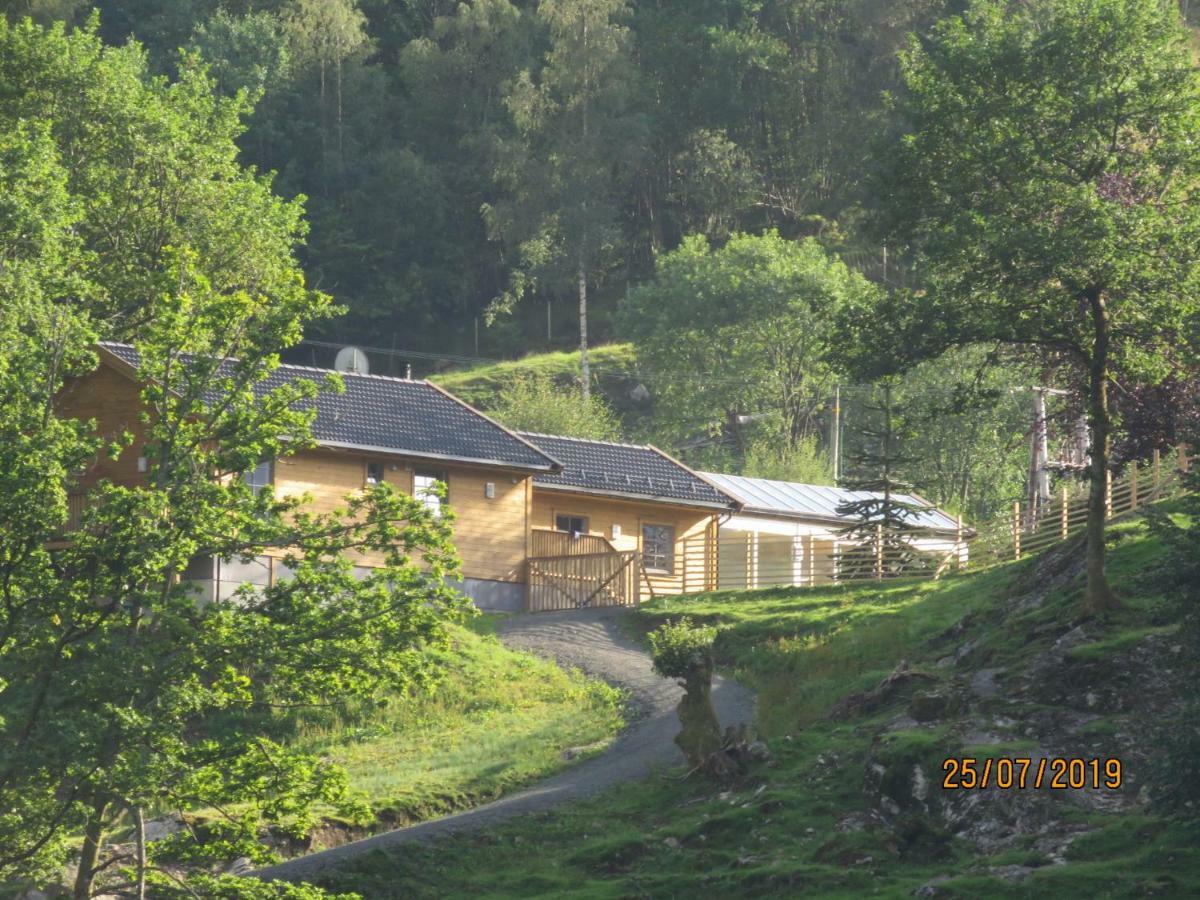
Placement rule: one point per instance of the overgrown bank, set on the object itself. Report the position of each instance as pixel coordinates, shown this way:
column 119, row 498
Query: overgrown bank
column 862, row 693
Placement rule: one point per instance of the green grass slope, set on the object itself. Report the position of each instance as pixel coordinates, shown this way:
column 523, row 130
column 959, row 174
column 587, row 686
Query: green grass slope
column 478, row 385
column 1003, row 666
column 497, row 720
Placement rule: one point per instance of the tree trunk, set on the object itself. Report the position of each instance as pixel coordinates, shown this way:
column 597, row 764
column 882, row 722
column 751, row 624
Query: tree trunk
column 89, row 854
column 1098, row 596
column 583, row 336
column 139, row 820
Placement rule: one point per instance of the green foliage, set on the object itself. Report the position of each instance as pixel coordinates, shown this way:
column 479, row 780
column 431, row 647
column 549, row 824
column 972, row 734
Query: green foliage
column 770, row 456
column 120, row 692
column 1046, row 182
column 1023, row 210
column 682, row 648
column 536, row 403
column 231, row 887
column 150, row 165
column 741, row 330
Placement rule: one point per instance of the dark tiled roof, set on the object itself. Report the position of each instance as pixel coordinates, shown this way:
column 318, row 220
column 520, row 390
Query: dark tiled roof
column 396, row 415
column 624, row 469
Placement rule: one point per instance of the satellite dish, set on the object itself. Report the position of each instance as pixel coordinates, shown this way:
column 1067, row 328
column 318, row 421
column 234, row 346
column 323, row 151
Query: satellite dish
column 353, row 361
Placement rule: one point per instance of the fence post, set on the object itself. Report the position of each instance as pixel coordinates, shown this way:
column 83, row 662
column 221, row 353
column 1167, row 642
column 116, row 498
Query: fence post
column 879, row 552
column 808, row 558
column 1016, row 528
column 1184, row 461
column 686, row 560
column 1133, row 485
column 1108, row 493
column 1156, row 470
column 1065, row 514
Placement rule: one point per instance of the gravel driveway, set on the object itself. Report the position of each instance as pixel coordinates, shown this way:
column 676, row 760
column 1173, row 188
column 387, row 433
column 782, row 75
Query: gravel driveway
column 591, row 640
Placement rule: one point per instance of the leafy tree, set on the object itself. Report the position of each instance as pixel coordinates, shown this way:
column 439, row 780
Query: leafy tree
column 1046, row 180
column 119, row 692
column 576, row 127
column 968, row 432
column 152, row 165
column 741, row 331
column 122, row 693
column 770, row 456
column 536, row 403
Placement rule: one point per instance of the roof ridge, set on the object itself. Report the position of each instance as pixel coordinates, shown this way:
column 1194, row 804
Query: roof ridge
column 567, row 437
column 287, row 365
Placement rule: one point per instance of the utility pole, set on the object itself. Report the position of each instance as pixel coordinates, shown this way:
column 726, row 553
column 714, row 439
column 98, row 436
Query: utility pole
column 835, row 435
column 1039, row 452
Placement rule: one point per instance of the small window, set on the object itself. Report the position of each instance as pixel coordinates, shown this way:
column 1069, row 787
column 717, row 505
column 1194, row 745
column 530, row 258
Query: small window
column 573, row 525
column 260, row 476
column 425, row 488
column 658, row 548
column 374, row 474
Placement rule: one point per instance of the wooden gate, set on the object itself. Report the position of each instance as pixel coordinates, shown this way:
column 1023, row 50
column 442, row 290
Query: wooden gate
column 584, row 580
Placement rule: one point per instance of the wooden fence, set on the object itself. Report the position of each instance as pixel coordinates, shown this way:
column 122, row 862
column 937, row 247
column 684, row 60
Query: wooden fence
column 1025, row 530
column 748, row 560
column 584, row 580
column 561, row 543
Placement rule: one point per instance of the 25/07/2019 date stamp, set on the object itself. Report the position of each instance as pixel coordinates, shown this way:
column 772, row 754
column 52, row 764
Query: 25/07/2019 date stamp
column 1019, row 773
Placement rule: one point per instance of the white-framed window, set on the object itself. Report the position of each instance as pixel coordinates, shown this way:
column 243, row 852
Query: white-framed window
column 658, row 548
column 425, row 488
column 260, row 476
column 573, row 525
column 373, row 474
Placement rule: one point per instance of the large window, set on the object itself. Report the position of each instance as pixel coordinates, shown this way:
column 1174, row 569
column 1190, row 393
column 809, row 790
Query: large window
column 260, row 476
column 658, row 548
column 573, row 525
column 425, row 488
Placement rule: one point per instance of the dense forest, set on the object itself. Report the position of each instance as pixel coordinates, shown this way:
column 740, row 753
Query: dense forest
column 444, row 147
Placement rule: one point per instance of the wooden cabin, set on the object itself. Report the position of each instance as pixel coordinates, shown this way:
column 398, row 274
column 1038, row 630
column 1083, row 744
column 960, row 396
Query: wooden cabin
column 404, row 432
column 603, row 525
column 631, row 499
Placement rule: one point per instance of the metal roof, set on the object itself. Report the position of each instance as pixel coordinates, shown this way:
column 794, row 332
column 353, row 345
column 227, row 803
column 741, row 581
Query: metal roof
column 380, row 414
column 791, row 500
column 625, row 470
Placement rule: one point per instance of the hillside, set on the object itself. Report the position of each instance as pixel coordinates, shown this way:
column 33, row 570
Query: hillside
column 614, row 368
column 863, row 692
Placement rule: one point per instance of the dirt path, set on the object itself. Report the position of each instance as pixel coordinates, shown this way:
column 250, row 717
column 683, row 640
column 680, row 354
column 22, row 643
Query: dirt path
column 591, row 640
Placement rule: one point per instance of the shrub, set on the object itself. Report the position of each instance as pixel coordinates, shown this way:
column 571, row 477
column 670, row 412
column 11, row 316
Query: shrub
column 681, row 648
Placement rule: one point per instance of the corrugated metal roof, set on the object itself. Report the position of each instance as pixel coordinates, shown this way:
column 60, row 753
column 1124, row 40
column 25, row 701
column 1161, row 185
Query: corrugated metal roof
column 624, row 469
column 802, row 501
column 400, row 416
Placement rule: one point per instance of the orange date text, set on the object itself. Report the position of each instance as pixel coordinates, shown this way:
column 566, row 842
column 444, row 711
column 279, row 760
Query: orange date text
column 1020, row 773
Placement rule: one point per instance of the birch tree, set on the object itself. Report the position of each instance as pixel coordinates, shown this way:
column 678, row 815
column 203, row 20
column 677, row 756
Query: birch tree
column 576, row 129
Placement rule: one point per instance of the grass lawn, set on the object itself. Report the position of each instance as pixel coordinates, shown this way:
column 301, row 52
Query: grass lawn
column 789, row 829
column 497, row 720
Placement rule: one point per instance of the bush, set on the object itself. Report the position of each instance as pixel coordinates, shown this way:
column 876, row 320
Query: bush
column 537, row 403
column 681, row 648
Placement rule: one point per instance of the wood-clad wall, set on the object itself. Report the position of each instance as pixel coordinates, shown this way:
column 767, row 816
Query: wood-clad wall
column 629, row 515
column 114, row 402
column 490, row 534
